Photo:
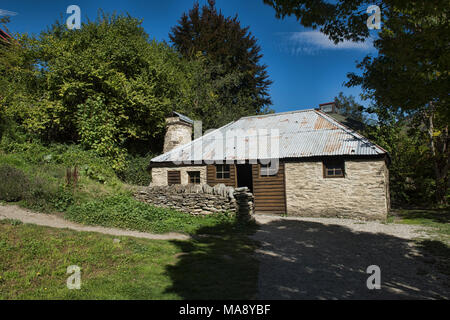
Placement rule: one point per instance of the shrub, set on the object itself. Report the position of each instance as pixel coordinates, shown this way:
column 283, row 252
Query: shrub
column 135, row 171
column 14, row 183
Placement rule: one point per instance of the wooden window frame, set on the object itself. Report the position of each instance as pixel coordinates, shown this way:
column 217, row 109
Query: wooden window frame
column 169, row 178
column 194, row 175
column 223, row 172
column 327, row 163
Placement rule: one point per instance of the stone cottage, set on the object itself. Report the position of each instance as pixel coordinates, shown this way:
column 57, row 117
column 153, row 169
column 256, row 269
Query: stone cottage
column 300, row 163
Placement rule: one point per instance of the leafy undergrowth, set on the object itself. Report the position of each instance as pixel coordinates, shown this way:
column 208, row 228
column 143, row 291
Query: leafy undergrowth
column 124, row 212
column 35, row 176
column 34, row 261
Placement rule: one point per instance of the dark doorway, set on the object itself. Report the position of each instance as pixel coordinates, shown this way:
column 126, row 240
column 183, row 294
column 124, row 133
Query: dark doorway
column 244, row 176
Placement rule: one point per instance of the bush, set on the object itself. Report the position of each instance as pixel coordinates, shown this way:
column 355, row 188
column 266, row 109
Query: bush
column 123, row 211
column 135, row 171
column 47, row 196
column 14, row 183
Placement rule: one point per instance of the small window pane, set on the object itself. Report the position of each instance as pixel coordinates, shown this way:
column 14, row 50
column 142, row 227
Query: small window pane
column 334, row 169
column 194, row 177
column 223, row 171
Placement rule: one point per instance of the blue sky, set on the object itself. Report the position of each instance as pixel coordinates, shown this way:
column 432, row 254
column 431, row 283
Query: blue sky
column 306, row 68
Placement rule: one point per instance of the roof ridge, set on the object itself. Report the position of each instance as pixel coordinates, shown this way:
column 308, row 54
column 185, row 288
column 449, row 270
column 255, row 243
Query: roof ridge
column 277, row 114
column 348, row 130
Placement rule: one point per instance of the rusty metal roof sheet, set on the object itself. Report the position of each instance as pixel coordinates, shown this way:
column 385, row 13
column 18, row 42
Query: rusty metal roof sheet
column 297, row 134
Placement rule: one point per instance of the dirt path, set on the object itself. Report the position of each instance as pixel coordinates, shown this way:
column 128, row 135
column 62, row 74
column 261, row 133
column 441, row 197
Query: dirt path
column 14, row 212
column 314, row 258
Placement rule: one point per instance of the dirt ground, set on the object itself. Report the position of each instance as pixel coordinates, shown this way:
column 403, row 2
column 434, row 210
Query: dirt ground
column 319, row 258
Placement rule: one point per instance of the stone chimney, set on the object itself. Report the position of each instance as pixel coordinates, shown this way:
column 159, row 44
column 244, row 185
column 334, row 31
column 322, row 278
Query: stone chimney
column 179, row 131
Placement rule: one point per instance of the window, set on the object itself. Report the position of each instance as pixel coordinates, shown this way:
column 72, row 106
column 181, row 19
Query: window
column 268, row 171
column 173, row 177
column 334, row 169
column 194, row 177
column 223, row 171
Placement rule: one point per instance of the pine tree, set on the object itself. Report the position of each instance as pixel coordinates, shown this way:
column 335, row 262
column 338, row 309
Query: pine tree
column 231, row 51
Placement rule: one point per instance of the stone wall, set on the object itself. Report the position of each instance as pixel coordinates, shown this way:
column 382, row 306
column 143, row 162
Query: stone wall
column 200, row 199
column 159, row 175
column 363, row 193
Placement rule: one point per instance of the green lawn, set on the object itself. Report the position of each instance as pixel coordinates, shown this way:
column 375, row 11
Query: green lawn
column 34, row 260
column 438, row 220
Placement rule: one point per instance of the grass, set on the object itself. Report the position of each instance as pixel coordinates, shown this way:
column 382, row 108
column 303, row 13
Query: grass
column 99, row 197
column 34, row 260
column 438, row 222
column 217, row 263
column 437, row 219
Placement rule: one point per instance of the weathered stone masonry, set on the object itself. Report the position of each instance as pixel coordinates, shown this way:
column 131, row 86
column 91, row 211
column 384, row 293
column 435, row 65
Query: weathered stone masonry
column 200, row 199
column 363, row 193
column 159, row 175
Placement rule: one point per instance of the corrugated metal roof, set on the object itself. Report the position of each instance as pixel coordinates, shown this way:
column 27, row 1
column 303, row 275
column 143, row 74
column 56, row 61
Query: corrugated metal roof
column 297, row 134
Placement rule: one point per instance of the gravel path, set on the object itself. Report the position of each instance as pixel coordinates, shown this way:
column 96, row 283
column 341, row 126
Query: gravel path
column 321, row 258
column 14, row 212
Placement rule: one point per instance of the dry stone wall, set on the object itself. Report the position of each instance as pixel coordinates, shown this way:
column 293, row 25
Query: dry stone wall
column 200, row 199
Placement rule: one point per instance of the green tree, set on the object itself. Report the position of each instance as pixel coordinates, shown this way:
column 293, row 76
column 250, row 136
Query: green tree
column 348, row 107
column 106, row 86
column 410, row 74
column 231, row 61
column 19, row 80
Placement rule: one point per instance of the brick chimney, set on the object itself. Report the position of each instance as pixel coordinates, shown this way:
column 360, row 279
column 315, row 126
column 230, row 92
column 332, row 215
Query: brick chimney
column 179, row 131
column 329, row 107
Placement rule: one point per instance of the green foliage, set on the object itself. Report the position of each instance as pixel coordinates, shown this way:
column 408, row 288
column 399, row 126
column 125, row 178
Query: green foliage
column 14, row 183
column 350, row 108
column 57, row 157
column 122, row 211
column 409, row 82
column 229, row 81
column 48, row 196
column 105, row 86
column 136, row 170
column 340, row 20
column 411, row 167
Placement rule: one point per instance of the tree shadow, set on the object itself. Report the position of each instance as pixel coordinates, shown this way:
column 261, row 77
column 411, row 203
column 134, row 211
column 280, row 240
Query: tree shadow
column 289, row 259
column 218, row 264
column 309, row 260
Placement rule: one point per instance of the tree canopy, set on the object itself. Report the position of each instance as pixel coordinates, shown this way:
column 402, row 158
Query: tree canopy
column 408, row 78
column 105, row 86
column 231, row 58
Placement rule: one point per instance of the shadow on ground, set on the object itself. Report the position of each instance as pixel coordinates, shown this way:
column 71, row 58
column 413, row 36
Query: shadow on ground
column 219, row 264
column 309, row 260
column 306, row 260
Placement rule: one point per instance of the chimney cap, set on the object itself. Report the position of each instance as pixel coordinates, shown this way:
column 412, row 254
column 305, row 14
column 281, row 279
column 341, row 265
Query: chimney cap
column 183, row 117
